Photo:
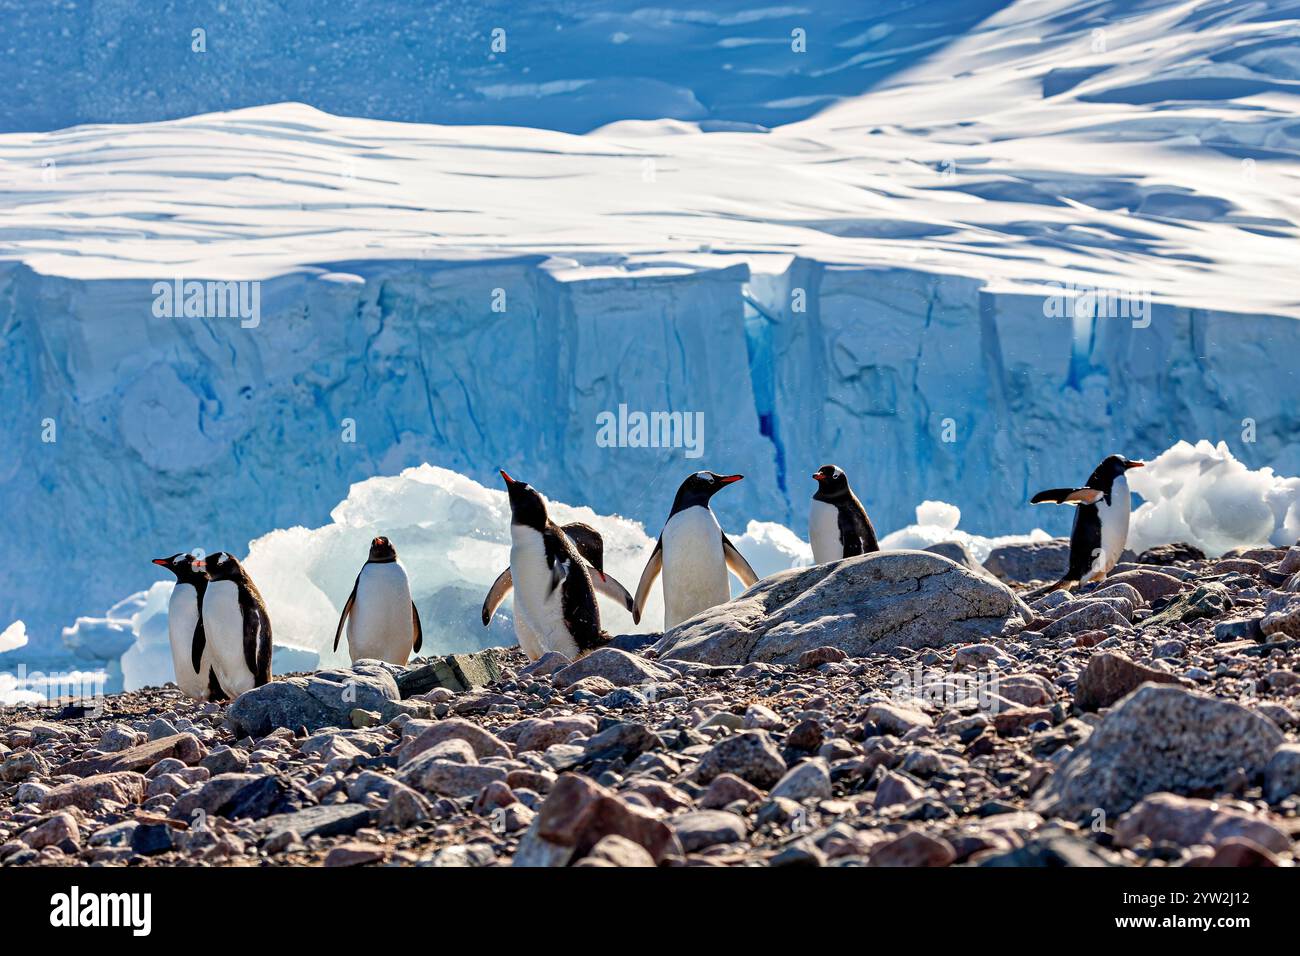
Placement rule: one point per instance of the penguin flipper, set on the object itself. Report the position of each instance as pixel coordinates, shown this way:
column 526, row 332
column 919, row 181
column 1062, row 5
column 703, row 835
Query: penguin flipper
column 264, row 648
column 347, row 609
column 648, row 575
column 198, row 645
column 737, row 563
column 608, row 586
column 1068, row 496
column 257, row 635
column 419, row 630
column 496, row 594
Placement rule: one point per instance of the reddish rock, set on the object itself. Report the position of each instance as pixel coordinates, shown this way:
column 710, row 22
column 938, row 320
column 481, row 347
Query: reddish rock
column 183, row 747
column 1152, row 585
column 726, row 789
column 355, row 854
column 1014, row 720
column 578, row 813
column 1028, row 690
column 123, row 787
column 1110, row 676
column 894, row 789
column 615, row 850
column 818, row 656
column 1237, row 852
column 914, row 848
column 1166, row 817
column 59, row 830
column 482, row 742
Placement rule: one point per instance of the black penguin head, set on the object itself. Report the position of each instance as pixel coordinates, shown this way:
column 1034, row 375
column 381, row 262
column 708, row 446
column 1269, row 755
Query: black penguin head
column 222, row 566
column 526, row 505
column 1111, row 468
column 589, row 544
column 382, row 551
column 184, row 565
column 699, row 488
column 831, row 482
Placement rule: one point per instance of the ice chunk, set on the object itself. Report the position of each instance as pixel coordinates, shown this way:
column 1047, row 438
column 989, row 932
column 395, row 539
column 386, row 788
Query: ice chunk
column 12, row 637
column 936, row 522
column 1202, row 494
column 12, row 692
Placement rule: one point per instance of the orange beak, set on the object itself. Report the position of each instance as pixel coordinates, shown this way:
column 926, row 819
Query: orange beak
column 728, row 479
column 161, row 562
column 1135, row 464
column 509, row 480
column 817, row 476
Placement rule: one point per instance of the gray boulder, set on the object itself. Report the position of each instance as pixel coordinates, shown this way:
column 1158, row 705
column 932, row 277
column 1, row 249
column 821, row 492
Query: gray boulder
column 618, row 667
column 322, row 699
column 1159, row 738
column 1039, row 561
column 864, row 605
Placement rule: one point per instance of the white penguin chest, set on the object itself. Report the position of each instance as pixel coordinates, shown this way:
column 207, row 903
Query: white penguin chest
column 223, row 623
column 182, row 620
column 539, row 594
column 1114, row 519
column 694, row 567
column 824, row 532
column 381, row 626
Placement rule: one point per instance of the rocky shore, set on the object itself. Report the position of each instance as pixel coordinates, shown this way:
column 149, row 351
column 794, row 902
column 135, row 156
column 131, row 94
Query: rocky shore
column 900, row 709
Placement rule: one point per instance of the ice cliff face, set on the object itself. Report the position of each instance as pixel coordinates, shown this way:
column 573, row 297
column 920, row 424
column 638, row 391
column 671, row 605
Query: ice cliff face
column 200, row 433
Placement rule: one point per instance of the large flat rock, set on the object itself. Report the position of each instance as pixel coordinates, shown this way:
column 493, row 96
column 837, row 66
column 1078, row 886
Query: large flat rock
column 864, row 605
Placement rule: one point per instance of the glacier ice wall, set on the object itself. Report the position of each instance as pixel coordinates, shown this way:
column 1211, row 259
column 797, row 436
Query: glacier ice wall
column 180, row 433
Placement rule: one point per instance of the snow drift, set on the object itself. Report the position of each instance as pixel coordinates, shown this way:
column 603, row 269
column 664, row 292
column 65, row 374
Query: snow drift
column 1202, row 494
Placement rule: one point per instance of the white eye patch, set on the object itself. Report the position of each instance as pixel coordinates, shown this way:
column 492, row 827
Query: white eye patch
column 179, row 559
column 222, row 559
column 703, row 476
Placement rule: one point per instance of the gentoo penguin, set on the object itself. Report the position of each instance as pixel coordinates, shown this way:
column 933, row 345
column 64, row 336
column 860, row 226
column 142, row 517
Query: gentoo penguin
column 838, row 526
column 693, row 553
column 1100, row 525
column 237, row 626
column 185, row 625
column 555, row 603
column 592, row 548
column 383, row 623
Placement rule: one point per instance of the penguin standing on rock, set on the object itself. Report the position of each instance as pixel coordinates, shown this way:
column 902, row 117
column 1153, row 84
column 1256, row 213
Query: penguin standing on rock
column 1100, row 525
column 237, row 626
column 591, row 546
column 383, row 623
column 185, row 625
column 694, row 554
column 838, row 526
column 555, row 602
